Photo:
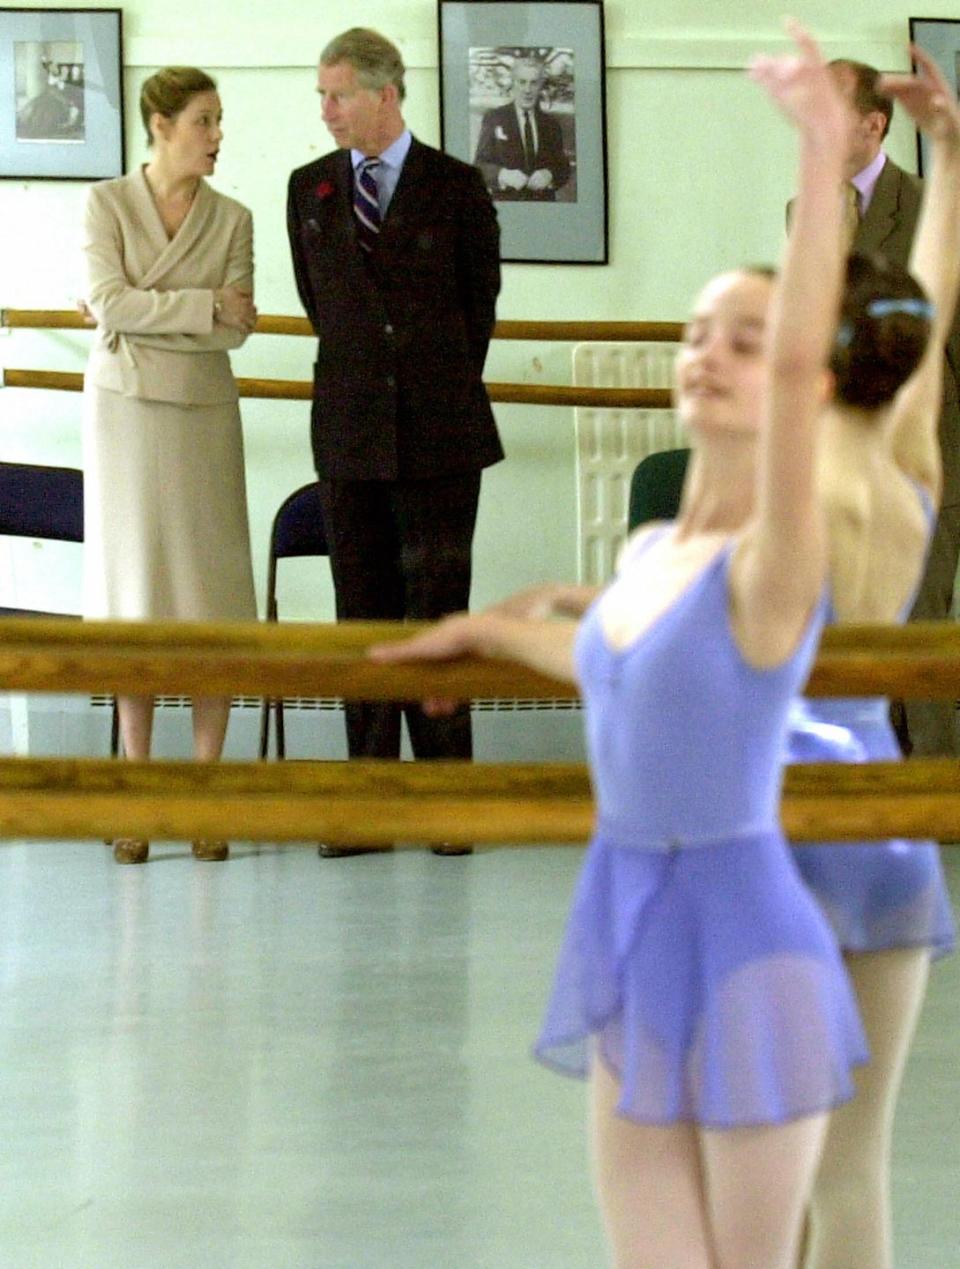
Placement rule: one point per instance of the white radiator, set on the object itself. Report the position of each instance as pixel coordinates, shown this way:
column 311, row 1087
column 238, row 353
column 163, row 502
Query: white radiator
column 610, row 443
column 508, row 730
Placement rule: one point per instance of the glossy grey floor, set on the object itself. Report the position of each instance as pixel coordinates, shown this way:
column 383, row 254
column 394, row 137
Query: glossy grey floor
column 285, row 1061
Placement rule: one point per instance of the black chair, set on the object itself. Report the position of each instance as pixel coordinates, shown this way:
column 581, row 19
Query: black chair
column 46, row 503
column 656, row 485
column 297, row 531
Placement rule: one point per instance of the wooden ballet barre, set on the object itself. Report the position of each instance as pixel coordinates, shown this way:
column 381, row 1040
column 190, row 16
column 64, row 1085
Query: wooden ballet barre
column 920, row 661
column 277, row 324
column 366, row 801
column 302, row 390
column 250, row 658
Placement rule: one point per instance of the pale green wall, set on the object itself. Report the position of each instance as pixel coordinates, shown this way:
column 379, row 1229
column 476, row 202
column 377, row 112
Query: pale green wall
column 699, row 169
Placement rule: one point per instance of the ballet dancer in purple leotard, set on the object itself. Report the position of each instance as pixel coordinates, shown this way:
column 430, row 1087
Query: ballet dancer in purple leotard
column 698, row 985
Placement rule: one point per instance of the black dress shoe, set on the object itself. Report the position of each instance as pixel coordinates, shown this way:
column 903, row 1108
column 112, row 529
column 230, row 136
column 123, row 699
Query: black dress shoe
column 452, row 848
column 338, row 850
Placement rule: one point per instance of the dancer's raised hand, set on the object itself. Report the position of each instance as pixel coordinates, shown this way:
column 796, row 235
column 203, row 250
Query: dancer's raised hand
column 926, row 97
column 800, row 83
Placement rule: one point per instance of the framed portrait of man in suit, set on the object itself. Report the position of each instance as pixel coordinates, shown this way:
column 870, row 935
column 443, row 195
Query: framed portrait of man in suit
column 522, row 98
column 61, row 94
column 940, row 38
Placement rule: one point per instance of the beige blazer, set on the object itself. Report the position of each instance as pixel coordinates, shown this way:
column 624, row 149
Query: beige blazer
column 153, row 297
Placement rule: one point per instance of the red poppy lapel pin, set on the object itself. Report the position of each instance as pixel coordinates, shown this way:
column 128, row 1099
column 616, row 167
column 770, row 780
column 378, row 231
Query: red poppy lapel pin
column 324, row 190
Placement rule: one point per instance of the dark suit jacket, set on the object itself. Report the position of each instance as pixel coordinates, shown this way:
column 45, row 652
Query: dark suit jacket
column 500, row 145
column 403, row 332
column 887, row 229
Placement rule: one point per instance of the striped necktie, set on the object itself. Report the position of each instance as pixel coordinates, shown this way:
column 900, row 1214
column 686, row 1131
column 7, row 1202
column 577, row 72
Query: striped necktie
column 851, row 212
column 366, row 204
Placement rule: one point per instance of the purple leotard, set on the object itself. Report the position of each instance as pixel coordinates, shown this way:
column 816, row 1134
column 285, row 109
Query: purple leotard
column 875, row 895
column 695, row 960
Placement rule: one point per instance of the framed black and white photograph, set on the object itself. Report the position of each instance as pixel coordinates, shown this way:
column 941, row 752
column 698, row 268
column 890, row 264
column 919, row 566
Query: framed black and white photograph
column 522, row 99
column 61, row 94
column 940, row 39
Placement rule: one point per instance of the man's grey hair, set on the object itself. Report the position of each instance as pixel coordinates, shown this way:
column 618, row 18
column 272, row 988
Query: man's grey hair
column 376, row 61
column 530, row 59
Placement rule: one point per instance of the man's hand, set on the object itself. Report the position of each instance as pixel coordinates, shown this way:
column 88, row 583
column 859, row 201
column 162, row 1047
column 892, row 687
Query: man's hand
column 542, row 178
column 511, row 178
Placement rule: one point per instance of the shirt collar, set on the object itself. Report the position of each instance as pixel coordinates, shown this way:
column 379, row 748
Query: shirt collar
column 865, row 180
column 393, row 156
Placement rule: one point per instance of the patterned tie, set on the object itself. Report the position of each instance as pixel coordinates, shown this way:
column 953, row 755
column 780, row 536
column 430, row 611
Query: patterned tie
column 529, row 144
column 851, row 212
column 366, row 204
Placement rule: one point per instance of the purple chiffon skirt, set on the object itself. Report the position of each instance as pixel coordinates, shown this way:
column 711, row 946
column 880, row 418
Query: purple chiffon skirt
column 708, row 980
column 876, row 895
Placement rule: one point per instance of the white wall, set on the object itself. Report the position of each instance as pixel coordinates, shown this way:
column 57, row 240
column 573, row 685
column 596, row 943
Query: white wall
column 699, row 169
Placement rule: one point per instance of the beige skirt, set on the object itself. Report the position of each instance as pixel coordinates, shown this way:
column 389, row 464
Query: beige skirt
column 165, row 511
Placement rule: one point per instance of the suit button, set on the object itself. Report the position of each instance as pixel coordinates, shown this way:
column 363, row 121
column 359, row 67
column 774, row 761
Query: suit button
column 391, row 381
column 388, row 329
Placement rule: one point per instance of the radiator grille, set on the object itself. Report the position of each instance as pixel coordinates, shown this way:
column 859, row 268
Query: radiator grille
column 483, row 705
column 610, row 443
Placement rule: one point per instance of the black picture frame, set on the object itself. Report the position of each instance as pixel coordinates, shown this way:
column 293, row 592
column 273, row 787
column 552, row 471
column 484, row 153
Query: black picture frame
column 61, row 94
column 535, row 67
column 940, row 39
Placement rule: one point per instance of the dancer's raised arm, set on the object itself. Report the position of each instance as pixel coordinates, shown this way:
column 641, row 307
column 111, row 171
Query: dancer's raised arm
column 781, row 566
column 934, row 262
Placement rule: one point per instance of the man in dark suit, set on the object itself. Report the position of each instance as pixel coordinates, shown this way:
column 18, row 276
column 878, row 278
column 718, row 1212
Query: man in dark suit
column 888, row 204
column 396, row 256
column 520, row 151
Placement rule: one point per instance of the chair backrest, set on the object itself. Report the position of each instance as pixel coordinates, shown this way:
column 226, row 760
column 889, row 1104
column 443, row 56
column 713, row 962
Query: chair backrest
column 656, row 486
column 41, row 502
column 298, row 525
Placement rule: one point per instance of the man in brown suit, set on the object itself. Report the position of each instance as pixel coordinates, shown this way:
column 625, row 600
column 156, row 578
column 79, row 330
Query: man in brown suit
column 396, row 255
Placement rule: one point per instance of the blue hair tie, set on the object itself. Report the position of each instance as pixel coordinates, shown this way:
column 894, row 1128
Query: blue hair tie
column 913, row 307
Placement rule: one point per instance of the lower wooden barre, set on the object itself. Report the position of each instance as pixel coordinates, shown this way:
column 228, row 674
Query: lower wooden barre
column 424, row 802
column 292, row 801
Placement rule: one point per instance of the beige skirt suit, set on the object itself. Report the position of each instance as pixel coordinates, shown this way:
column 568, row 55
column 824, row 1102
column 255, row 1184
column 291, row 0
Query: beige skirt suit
column 165, row 509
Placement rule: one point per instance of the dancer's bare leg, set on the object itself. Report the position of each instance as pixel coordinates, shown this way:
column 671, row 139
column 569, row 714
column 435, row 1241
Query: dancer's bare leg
column 849, row 1223
column 758, row 1183
column 648, row 1185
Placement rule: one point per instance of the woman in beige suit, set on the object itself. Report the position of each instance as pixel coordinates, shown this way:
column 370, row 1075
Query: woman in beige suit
column 170, row 275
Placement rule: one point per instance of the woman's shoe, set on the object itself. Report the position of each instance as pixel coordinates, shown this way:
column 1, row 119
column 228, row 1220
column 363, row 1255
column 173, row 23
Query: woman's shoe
column 215, row 852
column 130, row 850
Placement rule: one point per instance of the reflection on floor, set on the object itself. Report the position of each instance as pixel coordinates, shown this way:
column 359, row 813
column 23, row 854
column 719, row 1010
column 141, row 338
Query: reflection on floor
column 284, row 1062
